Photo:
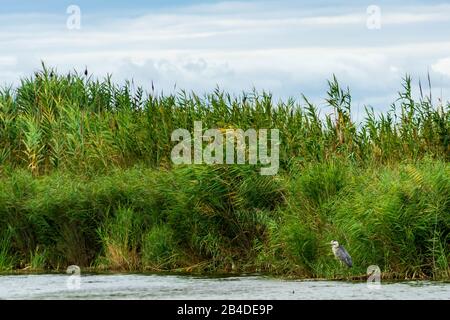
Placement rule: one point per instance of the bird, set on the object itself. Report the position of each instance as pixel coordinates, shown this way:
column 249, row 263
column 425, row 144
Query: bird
column 341, row 254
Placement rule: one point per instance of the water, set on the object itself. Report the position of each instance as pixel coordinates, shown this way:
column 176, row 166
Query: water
column 131, row 286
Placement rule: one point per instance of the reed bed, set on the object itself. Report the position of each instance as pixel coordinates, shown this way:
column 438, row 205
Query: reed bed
column 86, row 179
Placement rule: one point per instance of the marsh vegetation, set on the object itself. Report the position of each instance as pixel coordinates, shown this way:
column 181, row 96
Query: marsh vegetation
column 86, row 179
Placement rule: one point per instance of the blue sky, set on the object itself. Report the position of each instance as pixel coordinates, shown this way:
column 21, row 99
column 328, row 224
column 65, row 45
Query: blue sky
column 286, row 47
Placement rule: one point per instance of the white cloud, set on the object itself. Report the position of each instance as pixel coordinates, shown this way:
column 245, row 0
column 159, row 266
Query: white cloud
column 8, row 61
column 407, row 18
column 286, row 49
column 442, row 66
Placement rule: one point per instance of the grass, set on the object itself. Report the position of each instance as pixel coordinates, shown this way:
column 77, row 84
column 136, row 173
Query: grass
column 86, row 179
column 6, row 260
column 37, row 259
column 118, row 235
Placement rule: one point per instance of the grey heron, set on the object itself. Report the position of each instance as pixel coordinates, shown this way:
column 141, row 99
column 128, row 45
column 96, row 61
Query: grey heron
column 341, row 254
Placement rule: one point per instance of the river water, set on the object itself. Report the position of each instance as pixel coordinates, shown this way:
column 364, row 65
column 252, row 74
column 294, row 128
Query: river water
column 139, row 286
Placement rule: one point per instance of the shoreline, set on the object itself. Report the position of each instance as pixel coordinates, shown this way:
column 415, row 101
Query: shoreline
column 385, row 277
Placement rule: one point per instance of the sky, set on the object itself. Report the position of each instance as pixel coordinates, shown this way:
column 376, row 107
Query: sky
column 285, row 47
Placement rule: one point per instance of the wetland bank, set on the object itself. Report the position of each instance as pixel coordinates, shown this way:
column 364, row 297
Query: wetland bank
column 86, row 179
